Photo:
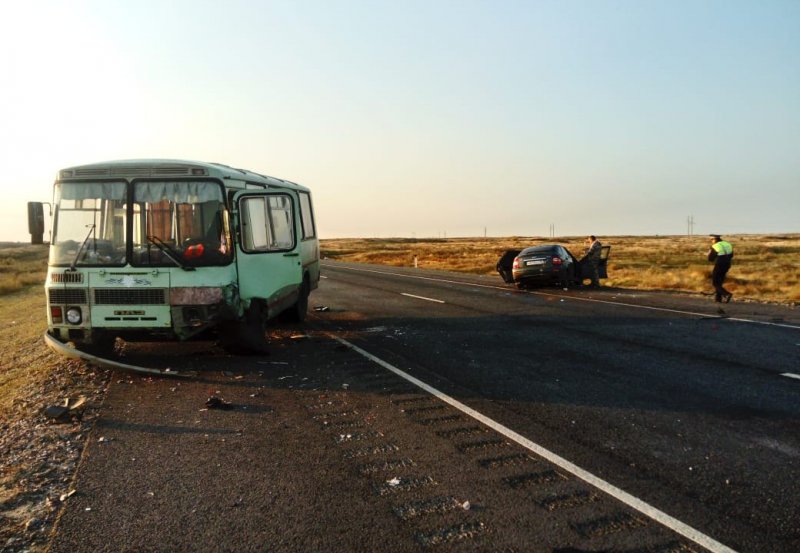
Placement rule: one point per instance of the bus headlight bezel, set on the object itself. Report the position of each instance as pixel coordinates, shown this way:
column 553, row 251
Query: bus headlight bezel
column 73, row 315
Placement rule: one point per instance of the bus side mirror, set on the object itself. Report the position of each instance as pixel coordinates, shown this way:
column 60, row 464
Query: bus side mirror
column 36, row 222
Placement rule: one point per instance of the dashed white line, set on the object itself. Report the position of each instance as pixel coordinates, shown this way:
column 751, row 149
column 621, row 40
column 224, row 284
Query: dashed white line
column 576, row 298
column 791, row 375
column 645, row 508
column 421, row 297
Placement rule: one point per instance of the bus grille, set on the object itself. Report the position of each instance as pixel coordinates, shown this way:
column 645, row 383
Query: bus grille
column 136, row 171
column 74, row 278
column 60, row 296
column 129, row 296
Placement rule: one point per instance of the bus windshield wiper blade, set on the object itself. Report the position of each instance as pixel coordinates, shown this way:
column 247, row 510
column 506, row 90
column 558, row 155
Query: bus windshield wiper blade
column 85, row 240
column 169, row 252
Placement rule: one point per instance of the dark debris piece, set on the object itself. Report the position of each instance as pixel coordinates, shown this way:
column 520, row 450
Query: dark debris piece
column 215, row 402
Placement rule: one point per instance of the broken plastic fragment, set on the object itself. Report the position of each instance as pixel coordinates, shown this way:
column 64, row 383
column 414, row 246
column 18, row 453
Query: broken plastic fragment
column 57, row 413
column 215, row 402
column 393, row 482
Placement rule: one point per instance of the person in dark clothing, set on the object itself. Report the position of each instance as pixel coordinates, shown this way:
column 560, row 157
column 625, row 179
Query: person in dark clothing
column 591, row 261
column 721, row 254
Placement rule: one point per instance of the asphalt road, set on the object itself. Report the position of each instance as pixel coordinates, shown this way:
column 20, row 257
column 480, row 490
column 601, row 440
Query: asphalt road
column 549, row 420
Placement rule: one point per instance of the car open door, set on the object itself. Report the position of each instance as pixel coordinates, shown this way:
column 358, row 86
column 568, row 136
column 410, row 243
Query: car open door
column 504, row 265
column 602, row 266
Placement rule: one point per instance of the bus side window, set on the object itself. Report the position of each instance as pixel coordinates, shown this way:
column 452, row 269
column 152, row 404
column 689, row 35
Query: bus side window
column 307, row 216
column 267, row 223
column 282, row 222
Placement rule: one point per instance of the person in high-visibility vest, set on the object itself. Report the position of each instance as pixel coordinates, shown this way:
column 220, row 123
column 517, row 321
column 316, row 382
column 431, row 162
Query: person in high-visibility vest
column 721, row 253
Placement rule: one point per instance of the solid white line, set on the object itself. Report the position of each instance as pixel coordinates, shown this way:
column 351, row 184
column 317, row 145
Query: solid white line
column 421, row 297
column 645, row 508
column 576, row 298
column 791, row 375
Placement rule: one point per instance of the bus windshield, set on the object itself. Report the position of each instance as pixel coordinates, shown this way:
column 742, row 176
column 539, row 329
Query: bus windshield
column 173, row 223
column 179, row 223
column 89, row 224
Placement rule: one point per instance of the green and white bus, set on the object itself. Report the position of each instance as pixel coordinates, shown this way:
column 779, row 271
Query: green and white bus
column 173, row 250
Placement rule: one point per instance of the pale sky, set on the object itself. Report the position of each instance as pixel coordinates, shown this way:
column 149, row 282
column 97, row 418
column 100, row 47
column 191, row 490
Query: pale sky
column 424, row 118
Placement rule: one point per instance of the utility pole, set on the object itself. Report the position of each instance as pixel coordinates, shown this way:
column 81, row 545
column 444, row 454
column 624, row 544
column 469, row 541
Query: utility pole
column 690, row 225
column 552, row 230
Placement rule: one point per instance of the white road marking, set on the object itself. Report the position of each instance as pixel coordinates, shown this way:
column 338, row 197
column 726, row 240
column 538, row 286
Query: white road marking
column 645, row 508
column 575, row 298
column 791, row 375
column 421, row 297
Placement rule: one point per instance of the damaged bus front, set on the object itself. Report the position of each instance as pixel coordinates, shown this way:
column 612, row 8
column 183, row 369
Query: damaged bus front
column 163, row 249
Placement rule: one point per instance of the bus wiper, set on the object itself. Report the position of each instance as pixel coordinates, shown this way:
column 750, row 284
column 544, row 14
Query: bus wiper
column 169, row 252
column 85, row 240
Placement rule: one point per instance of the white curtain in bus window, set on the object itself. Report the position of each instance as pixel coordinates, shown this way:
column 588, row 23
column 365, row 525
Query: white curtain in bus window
column 178, row 192
column 92, row 190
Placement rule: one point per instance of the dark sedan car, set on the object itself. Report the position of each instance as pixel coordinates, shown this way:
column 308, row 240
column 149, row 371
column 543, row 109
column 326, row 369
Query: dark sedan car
column 546, row 264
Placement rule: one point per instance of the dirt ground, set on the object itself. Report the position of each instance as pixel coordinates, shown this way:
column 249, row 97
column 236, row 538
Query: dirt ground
column 38, row 455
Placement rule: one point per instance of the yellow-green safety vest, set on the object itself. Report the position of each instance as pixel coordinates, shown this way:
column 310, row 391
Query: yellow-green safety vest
column 723, row 247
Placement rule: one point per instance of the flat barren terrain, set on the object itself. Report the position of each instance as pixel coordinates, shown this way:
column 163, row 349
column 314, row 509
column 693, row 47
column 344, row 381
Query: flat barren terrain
column 38, row 457
column 765, row 267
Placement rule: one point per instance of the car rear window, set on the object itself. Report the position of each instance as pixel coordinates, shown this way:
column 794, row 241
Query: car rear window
column 539, row 249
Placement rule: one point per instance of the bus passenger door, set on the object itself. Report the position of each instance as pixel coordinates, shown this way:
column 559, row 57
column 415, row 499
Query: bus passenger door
column 267, row 257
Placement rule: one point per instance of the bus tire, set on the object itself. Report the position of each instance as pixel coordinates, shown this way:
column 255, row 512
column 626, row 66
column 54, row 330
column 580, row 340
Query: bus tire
column 297, row 313
column 247, row 336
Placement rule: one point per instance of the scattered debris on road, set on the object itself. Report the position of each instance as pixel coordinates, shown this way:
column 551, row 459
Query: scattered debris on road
column 215, row 402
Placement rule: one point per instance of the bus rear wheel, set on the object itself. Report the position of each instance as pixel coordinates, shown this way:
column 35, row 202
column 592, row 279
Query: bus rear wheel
column 297, row 313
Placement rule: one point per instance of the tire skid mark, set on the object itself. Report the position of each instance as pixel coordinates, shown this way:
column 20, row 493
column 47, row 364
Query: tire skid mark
column 413, row 399
column 424, row 410
column 569, row 500
column 368, row 469
column 480, row 445
column 459, row 532
column 669, row 547
column 439, row 420
column 342, row 425
column 334, row 404
column 414, row 509
column 391, row 476
column 335, row 414
column 462, row 431
column 612, row 524
column 643, row 523
column 404, row 484
column 546, row 476
column 357, row 437
column 383, row 449
column 512, row 460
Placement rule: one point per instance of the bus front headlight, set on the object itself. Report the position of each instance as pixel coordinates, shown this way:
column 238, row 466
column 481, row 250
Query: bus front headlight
column 74, row 315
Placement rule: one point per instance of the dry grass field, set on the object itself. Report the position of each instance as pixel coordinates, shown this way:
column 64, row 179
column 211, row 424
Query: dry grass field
column 765, row 267
column 39, row 458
